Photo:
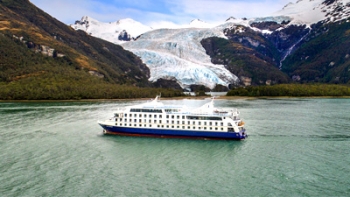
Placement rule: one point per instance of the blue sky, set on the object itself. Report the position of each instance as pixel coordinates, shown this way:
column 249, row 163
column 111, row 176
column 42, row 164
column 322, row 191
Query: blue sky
column 159, row 12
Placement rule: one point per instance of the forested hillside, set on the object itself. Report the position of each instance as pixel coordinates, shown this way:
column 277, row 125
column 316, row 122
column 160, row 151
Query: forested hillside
column 293, row 90
column 324, row 56
column 42, row 58
column 248, row 55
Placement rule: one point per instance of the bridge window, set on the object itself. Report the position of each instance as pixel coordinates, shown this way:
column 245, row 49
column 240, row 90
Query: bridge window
column 146, row 110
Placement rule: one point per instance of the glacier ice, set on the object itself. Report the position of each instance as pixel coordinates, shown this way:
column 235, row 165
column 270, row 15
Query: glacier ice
column 178, row 53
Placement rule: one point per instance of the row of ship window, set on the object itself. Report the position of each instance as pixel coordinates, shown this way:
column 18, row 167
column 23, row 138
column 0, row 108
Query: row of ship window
column 172, row 116
column 172, row 126
column 216, row 123
column 154, row 110
column 149, row 115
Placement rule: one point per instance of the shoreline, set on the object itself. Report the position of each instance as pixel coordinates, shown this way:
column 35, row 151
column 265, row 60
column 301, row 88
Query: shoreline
column 182, row 97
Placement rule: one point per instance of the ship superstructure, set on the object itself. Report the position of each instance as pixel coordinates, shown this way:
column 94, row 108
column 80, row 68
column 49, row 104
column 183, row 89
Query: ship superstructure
column 159, row 120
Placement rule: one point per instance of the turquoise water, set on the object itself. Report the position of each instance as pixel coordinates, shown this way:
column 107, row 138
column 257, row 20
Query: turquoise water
column 296, row 147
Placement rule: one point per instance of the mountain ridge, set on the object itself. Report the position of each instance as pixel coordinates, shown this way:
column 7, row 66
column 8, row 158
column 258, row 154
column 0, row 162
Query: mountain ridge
column 283, row 32
column 239, row 52
column 42, row 58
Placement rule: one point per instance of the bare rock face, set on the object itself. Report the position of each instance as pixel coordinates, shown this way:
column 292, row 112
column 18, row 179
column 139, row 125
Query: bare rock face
column 268, row 25
column 167, row 83
column 124, row 36
column 96, row 74
column 247, row 81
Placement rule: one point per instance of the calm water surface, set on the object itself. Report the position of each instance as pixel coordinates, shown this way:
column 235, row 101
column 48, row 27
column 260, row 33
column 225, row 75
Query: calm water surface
column 296, row 147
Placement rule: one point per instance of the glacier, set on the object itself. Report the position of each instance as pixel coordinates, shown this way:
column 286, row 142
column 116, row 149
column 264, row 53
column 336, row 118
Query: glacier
column 178, row 53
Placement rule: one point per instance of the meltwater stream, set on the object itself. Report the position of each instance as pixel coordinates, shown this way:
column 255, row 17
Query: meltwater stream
column 296, row 147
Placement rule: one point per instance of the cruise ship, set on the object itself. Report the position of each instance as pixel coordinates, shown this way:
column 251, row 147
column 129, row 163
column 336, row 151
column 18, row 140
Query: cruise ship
column 154, row 119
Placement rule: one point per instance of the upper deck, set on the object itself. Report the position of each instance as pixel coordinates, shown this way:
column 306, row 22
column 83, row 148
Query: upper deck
column 207, row 109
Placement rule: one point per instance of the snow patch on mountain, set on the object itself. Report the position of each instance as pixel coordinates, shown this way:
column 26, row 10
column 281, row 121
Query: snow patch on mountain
column 197, row 23
column 178, row 53
column 115, row 32
column 277, row 19
column 307, row 12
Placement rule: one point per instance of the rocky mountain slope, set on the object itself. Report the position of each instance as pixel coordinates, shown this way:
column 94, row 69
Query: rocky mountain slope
column 291, row 45
column 42, row 58
column 24, row 25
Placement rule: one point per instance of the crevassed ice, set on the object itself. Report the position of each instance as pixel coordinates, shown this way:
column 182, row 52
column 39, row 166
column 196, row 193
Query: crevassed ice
column 178, row 53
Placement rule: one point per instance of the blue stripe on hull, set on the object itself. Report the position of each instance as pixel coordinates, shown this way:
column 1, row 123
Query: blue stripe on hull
column 171, row 133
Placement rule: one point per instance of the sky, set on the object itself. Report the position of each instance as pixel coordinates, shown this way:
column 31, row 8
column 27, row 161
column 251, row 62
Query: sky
column 158, row 13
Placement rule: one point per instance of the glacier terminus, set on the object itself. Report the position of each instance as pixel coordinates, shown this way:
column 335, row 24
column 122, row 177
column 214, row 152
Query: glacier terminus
column 178, row 53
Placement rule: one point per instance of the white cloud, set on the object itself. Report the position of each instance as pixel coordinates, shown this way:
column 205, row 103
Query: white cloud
column 180, row 12
column 219, row 10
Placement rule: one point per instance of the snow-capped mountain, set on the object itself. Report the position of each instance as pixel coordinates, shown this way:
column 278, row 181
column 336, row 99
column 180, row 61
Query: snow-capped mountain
column 197, row 23
column 178, row 53
column 312, row 11
column 115, row 32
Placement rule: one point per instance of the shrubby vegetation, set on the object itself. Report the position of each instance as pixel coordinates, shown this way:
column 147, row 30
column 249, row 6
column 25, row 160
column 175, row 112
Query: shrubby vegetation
column 325, row 57
column 26, row 75
column 51, row 88
column 244, row 61
column 292, row 90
